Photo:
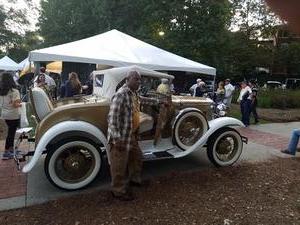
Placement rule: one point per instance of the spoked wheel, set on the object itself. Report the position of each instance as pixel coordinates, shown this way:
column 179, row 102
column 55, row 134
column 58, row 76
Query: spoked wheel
column 73, row 164
column 224, row 147
column 189, row 128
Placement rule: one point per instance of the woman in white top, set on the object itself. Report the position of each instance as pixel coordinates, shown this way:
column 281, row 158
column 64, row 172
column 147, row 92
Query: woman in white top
column 245, row 102
column 10, row 102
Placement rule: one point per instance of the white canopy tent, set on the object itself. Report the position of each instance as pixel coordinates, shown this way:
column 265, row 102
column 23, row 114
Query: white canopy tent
column 7, row 63
column 24, row 63
column 117, row 49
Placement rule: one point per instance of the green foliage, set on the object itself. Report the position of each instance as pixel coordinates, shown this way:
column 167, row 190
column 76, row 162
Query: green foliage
column 280, row 99
column 13, row 36
column 26, row 43
column 254, row 18
column 9, row 37
column 198, row 30
column 194, row 29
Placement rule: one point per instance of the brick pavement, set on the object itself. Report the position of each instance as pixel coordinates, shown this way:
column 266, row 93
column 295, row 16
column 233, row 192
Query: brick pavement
column 268, row 139
column 13, row 183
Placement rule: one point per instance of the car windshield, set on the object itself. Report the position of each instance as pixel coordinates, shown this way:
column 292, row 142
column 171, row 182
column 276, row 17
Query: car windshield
column 148, row 84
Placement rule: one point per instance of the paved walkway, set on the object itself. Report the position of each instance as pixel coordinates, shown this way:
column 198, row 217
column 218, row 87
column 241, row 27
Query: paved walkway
column 19, row 190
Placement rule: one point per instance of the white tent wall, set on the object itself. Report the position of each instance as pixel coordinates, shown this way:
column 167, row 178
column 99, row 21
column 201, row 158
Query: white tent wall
column 117, row 49
column 24, row 63
column 8, row 64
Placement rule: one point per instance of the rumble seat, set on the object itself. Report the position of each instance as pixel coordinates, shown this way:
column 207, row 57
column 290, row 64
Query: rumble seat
column 146, row 122
column 40, row 102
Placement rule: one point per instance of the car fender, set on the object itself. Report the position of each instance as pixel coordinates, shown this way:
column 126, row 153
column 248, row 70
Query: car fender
column 214, row 125
column 59, row 129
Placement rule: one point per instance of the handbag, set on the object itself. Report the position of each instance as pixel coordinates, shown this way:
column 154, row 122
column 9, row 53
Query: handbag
column 23, row 116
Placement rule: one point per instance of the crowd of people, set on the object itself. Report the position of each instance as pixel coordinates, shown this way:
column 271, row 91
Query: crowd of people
column 224, row 95
column 70, row 88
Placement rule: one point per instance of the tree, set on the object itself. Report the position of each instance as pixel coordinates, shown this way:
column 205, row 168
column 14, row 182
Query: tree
column 199, row 30
column 254, row 18
column 12, row 23
column 31, row 40
column 194, row 29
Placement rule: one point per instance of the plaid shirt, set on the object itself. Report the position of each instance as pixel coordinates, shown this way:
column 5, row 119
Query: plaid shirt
column 120, row 117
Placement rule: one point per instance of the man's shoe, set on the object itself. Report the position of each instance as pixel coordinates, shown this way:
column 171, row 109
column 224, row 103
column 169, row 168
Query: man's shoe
column 123, row 197
column 286, row 151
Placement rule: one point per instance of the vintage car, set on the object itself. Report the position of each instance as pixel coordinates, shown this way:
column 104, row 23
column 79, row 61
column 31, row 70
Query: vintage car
column 74, row 136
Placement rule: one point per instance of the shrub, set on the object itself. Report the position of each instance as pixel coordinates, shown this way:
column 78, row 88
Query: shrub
column 280, row 99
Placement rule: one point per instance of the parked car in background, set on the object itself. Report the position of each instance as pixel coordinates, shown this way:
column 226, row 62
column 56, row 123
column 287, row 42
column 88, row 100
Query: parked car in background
column 73, row 136
column 273, row 85
column 292, row 83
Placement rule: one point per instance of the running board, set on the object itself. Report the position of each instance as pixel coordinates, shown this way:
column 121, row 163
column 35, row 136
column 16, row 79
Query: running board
column 148, row 156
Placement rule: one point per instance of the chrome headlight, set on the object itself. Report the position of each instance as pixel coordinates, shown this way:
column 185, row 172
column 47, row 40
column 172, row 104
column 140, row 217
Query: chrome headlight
column 222, row 113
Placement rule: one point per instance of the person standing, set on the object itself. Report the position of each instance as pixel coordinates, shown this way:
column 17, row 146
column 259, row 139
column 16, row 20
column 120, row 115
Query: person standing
column 123, row 124
column 194, row 86
column 245, row 103
column 73, row 85
column 41, row 83
column 164, row 87
column 200, row 89
column 10, row 102
column 229, row 90
column 48, row 80
column 220, row 93
column 254, row 90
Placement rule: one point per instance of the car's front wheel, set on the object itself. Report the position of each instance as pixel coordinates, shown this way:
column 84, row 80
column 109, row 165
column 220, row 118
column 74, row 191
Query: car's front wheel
column 73, row 164
column 224, row 147
column 189, row 128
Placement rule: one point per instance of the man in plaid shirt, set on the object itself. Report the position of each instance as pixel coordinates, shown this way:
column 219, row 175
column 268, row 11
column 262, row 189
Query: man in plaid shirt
column 123, row 123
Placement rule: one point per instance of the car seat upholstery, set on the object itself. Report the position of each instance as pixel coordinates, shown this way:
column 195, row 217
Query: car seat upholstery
column 41, row 102
column 146, row 122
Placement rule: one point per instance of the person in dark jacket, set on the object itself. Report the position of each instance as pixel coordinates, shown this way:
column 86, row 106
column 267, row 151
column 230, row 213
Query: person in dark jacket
column 254, row 89
column 72, row 86
column 200, row 89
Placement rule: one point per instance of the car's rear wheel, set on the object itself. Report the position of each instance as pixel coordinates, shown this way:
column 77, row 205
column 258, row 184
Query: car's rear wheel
column 224, row 147
column 189, row 128
column 73, row 164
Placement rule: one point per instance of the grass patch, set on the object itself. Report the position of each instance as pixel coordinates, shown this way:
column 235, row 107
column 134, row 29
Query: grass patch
column 235, row 112
column 279, row 99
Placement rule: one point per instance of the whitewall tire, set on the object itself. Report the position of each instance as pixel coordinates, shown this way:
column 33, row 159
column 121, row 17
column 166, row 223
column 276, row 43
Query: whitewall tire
column 73, row 164
column 189, row 128
column 224, row 147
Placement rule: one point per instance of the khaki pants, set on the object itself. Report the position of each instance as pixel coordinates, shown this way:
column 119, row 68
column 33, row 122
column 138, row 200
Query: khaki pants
column 121, row 161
